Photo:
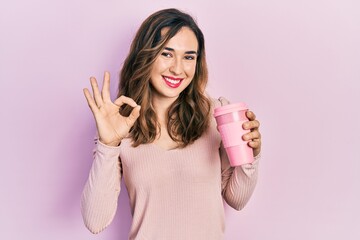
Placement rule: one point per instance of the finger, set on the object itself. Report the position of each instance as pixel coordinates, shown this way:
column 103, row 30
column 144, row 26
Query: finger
column 250, row 115
column 125, row 100
column 90, row 101
column 95, row 88
column 254, row 144
column 251, row 125
column 106, row 88
column 135, row 113
column 251, row 136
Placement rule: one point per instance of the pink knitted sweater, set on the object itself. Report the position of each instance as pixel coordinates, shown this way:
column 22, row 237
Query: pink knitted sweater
column 174, row 194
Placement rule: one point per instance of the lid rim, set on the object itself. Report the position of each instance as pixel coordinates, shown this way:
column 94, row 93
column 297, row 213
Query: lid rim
column 230, row 108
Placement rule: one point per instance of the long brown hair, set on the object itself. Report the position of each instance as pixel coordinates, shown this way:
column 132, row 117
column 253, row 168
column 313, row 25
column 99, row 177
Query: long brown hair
column 188, row 116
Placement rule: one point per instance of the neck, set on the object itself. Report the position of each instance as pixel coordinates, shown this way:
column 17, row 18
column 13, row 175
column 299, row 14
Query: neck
column 161, row 106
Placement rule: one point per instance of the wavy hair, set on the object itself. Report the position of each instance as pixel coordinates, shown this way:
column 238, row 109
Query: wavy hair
column 188, row 116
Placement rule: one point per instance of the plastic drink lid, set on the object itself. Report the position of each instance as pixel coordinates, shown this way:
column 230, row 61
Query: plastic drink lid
column 230, row 108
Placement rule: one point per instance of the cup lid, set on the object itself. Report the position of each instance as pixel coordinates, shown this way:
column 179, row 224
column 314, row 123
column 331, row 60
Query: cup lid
column 230, row 108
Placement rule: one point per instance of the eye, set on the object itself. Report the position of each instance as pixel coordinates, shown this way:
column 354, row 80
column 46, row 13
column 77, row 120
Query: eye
column 166, row 54
column 190, row 57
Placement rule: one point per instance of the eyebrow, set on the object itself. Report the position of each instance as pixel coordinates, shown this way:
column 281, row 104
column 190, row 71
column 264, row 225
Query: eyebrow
column 187, row 52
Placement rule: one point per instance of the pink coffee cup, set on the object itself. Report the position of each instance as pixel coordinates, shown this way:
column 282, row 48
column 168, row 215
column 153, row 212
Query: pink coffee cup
column 229, row 119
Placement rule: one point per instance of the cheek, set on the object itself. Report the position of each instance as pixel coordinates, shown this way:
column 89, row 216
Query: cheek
column 190, row 69
column 157, row 66
column 161, row 65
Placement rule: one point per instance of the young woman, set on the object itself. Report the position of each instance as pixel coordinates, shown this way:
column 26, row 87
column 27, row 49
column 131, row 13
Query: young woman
column 159, row 136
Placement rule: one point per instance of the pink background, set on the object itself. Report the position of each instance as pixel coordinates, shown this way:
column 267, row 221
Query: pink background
column 296, row 63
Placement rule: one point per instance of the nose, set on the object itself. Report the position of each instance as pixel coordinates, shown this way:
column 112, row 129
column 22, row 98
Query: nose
column 176, row 67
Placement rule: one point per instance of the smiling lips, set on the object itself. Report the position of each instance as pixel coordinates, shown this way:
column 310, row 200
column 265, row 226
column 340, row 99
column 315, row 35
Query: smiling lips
column 173, row 82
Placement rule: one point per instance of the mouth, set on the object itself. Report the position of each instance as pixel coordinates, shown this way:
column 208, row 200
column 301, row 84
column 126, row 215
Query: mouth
column 173, row 82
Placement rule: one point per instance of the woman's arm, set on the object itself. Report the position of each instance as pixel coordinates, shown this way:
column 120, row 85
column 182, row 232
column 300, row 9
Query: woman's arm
column 238, row 183
column 100, row 195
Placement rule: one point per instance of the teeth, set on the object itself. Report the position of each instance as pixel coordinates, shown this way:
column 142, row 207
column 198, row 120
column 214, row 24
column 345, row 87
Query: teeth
column 172, row 81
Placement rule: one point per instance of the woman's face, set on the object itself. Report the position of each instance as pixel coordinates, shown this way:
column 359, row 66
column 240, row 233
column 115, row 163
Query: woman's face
column 174, row 69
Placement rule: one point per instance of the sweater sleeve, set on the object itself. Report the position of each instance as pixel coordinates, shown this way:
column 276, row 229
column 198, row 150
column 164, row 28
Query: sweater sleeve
column 237, row 183
column 100, row 195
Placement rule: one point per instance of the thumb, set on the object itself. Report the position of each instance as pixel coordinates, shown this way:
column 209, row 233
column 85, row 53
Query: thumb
column 135, row 113
column 250, row 115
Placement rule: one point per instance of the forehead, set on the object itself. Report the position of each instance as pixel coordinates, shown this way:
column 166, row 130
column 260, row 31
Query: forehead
column 184, row 40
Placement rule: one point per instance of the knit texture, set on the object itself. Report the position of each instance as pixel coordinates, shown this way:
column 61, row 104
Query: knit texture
column 174, row 194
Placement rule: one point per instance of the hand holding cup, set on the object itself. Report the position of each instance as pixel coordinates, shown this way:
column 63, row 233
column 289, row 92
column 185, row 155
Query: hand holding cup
column 254, row 136
column 239, row 135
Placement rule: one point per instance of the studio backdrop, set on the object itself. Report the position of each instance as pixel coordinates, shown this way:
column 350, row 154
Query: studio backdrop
column 296, row 64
